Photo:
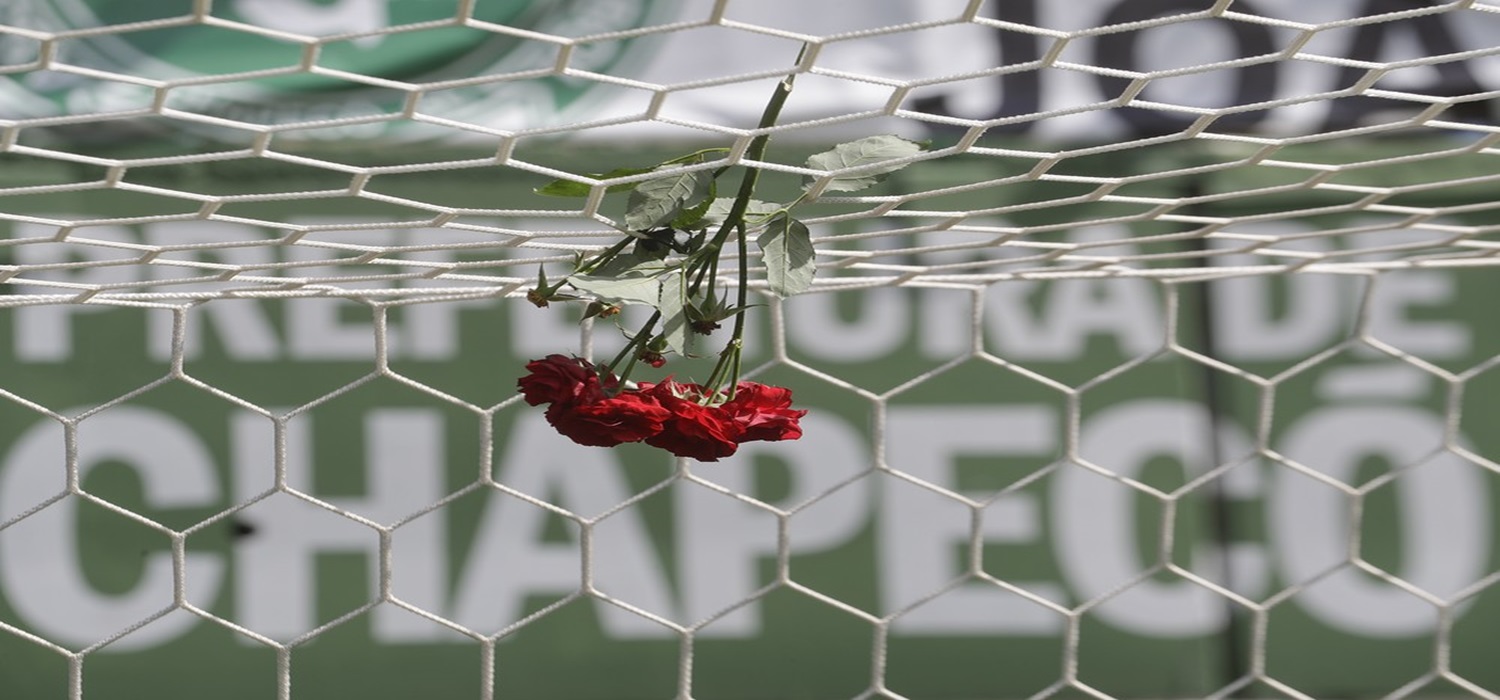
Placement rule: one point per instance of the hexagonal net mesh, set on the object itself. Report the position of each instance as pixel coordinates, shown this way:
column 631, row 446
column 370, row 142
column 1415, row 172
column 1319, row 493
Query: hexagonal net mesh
column 1163, row 370
column 75, row 79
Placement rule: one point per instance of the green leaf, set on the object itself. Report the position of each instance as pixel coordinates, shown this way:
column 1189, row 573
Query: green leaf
column 865, row 152
column 629, row 289
column 696, row 156
column 691, row 217
column 676, row 325
column 570, row 188
column 718, row 210
column 564, row 188
column 656, row 202
column 786, row 246
column 629, row 265
column 656, row 246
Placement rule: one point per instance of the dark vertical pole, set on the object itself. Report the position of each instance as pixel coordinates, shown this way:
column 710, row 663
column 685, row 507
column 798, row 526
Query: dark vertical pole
column 1216, row 395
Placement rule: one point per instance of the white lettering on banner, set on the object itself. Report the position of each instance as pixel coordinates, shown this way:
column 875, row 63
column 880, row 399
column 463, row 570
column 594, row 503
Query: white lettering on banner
column 427, row 331
column 918, row 546
column 1031, row 320
column 246, row 330
column 880, row 329
column 1096, row 554
column 723, row 541
column 317, row 329
column 1444, row 524
column 722, row 545
column 511, row 561
column 541, row 334
column 947, row 321
column 44, row 332
column 1073, row 311
column 1249, row 328
column 1022, row 320
column 1392, row 301
column 327, row 329
column 242, row 325
column 1129, row 313
column 1445, row 520
column 40, row 572
column 274, row 575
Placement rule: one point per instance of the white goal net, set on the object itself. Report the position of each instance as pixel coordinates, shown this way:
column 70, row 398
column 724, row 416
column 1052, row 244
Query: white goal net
column 1164, row 368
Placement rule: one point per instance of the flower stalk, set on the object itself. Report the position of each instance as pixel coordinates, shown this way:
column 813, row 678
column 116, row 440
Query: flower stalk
column 676, row 229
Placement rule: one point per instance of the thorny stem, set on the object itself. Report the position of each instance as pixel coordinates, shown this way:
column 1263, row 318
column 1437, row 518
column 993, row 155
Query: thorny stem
column 731, row 354
column 631, row 348
column 742, row 303
column 604, row 256
column 756, row 152
column 711, row 270
column 698, row 153
column 729, row 359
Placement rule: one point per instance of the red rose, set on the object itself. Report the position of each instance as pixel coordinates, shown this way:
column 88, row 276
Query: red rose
column 705, row 433
column 764, row 413
column 673, row 416
column 628, row 417
column 559, row 378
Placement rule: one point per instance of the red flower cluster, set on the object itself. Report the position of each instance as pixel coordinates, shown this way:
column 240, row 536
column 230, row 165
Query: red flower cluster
column 678, row 417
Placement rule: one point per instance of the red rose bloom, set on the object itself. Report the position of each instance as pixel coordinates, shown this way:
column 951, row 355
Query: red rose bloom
column 764, row 413
column 559, row 378
column 628, row 417
column 673, row 416
column 705, row 433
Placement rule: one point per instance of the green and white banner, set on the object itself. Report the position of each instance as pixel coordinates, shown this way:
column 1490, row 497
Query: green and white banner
column 1305, row 475
column 487, row 67
column 890, row 378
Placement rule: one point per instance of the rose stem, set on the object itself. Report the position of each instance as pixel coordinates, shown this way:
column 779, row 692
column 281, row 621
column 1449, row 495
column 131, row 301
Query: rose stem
column 755, row 152
column 604, row 255
column 640, row 338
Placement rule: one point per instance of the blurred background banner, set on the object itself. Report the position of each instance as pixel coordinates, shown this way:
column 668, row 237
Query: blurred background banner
column 275, row 90
column 612, row 79
column 1085, row 363
column 76, row 573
